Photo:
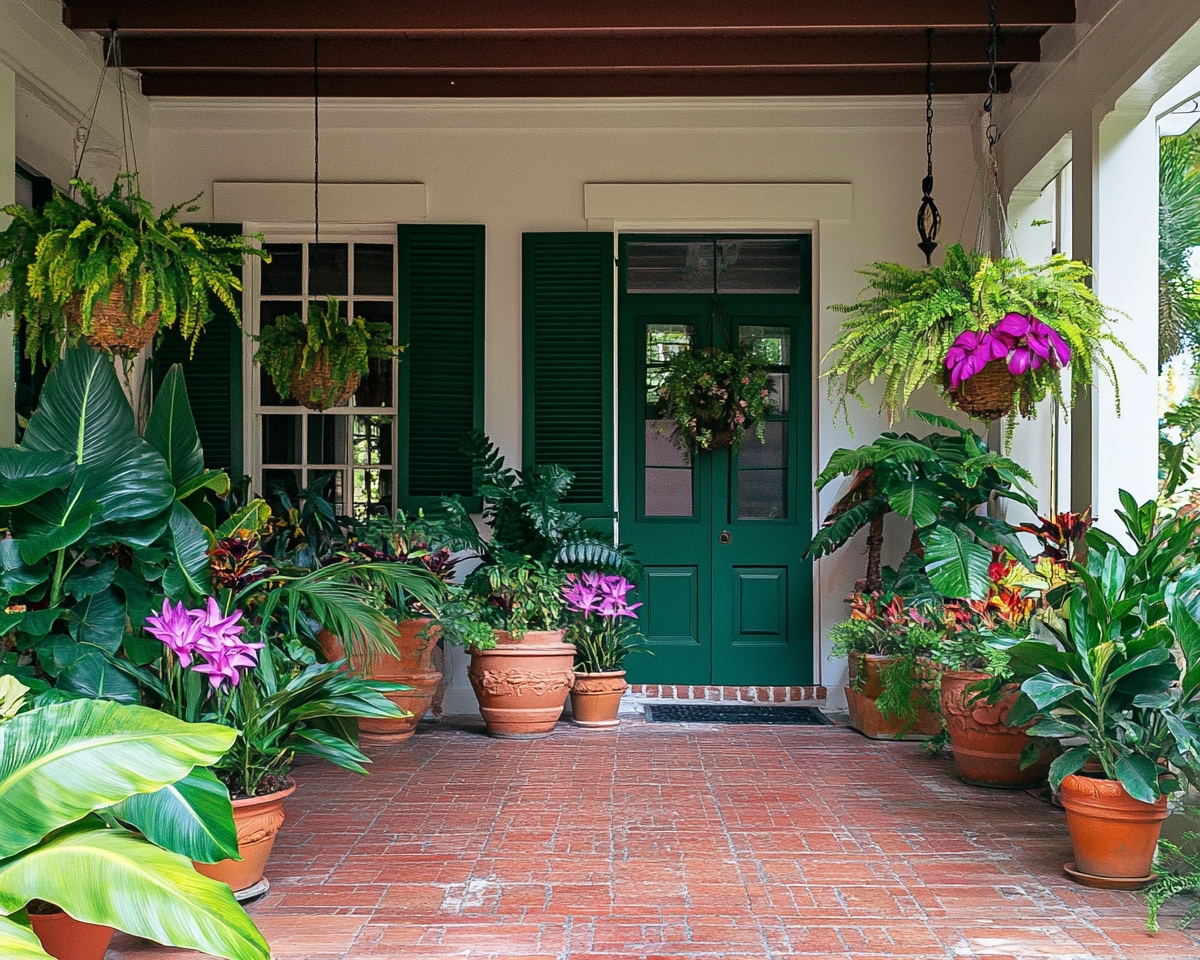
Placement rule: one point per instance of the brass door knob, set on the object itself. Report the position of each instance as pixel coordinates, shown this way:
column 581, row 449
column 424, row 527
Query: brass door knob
column 725, row 537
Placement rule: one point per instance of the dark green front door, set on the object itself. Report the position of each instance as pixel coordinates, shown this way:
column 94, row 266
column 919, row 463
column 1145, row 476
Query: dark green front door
column 727, row 598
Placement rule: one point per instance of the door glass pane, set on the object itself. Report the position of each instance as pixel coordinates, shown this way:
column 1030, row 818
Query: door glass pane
column 668, row 473
column 669, row 266
column 372, row 493
column 762, row 474
column 327, row 438
column 768, row 265
column 373, row 269
column 281, row 439
column 775, row 346
column 663, row 341
column 372, row 440
column 375, row 389
column 328, row 269
column 281, row 481
column 330, row 485
column 268, row 310
column 282, row 276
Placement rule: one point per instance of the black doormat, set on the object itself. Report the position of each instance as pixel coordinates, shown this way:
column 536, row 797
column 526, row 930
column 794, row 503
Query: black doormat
column 734, row 713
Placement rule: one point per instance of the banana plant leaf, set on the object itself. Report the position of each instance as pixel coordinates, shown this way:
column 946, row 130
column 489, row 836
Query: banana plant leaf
column 19, row 943
column 113, row 877
column 192, row 816
column 60, row 763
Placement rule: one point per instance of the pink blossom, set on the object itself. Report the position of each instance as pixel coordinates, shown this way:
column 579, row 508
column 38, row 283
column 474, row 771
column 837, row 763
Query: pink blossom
column 177, row 629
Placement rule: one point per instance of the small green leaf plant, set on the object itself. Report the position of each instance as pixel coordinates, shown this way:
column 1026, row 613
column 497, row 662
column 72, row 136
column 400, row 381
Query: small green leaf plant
column 79, row 251
column 1178, row 870
column 289, row 347
column 902, row 331
column 711, row 392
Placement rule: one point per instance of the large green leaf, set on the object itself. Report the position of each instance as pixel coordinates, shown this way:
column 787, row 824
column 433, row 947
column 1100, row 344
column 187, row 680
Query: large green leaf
column 957, row 565
column 20, row 943
column 189, row 564
column 914, row 498
column 1139, row 776
column 87, row 671
column 27, row 474
column 99, row 619
column 171, row 429
column 83, row 412
column 115, row 878
column 192, row 817
column 62, row 761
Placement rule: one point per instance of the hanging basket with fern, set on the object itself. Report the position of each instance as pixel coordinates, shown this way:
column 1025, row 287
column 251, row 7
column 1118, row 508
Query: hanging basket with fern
column 1017, row 326
column 66, row 271
column 322, row 362
column 713, row 396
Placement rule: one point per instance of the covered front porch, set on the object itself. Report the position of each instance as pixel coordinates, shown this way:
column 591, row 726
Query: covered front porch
column 681, row 841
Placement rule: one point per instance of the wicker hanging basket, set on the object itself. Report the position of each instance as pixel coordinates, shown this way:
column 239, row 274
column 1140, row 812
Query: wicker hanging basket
column 989, row 394
column 721, row 438
column 113, row 327
column 317, row 389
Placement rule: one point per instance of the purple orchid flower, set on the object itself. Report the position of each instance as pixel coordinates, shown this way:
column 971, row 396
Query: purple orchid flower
column 615, row 591
column 582, row 592
column 971, row 352
column 1033, row 342
column 178, row 630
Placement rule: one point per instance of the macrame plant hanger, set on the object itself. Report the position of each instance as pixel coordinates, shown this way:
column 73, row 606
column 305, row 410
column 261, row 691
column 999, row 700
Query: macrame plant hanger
column 112, row 57
column 992, row 210
column 929, row 220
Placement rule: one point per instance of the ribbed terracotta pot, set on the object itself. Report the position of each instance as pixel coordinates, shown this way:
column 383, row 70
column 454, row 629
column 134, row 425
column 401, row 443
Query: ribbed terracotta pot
column 596, row 698
column 1113, row 834
column 987, row 752
column 65, row 938
column 864, row 714
column 416, row 641
column 522, row 685
column 258, row 820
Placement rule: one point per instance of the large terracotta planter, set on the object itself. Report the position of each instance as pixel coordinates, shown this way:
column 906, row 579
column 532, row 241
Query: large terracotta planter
column 596, row 698
column 416, row 641
column 258, row 820
column 522, row 685
column 987, row 751
column 1113, row 834
column 65, row 938
column 865, row 716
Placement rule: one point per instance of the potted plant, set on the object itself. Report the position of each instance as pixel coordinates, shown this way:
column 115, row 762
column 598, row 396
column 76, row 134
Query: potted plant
column 102, row 813
column 522, row 674
column 987, row 751
column 1104, row 670
column 321, row 361
column 893, row 682
column 993, row 335
column 107, row 269
column 715, row 395
column 604, row 633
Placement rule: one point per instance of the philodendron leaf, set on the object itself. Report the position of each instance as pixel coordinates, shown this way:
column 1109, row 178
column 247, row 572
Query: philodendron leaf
column 61, row 762
column 189, row 563
column 116, row 878
column 171, row 429
column 99, row 620
column 957, row 565
column 1139, row 776
column 20, row 943
column 27, row 474
column 192, row 817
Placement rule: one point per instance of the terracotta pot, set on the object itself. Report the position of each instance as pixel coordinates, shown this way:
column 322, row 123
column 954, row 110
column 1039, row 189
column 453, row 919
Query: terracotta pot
column 1113, row 834
column 987, row 751
column 522, row 685
column 258, row 820
column 596, row 698
column 112, row 327
column 65, row 938
column 865, row 716
column 417, row 642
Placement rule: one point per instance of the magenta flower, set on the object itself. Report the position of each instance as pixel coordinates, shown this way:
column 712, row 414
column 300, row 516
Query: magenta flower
column 971, row 352
column 582, row 592
column 177, row 629
column 1032, row 343
column 593, row 592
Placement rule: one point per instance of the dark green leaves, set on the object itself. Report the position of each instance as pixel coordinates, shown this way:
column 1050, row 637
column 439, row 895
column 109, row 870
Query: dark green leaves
column 171, row 430
column 956, row 562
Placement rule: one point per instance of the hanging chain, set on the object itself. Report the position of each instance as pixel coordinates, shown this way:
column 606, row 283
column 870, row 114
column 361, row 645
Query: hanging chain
column 929, row 220
column 993, row 131
column 929, row 100
column 316, row 142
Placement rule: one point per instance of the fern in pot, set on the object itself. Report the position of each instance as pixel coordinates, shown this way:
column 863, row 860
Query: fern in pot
column 320, row 362
column 108, row 270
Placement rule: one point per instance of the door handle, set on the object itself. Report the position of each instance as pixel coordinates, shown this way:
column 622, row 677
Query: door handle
column 724, row 537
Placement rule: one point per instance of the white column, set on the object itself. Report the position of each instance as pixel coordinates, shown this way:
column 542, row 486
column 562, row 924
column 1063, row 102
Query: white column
column 8, row 182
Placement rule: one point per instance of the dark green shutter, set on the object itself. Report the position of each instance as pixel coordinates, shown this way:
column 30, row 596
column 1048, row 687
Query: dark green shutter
column 213, row 374
column 441, row 369
column 567, row 315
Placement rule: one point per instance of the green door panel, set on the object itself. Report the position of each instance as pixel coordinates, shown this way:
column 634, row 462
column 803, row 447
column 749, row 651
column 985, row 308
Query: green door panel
column 727, row 597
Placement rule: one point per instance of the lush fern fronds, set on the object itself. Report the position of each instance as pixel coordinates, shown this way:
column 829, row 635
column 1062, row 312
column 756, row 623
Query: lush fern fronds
column 1179, row 874
column 1178, row 236
column 905, row 323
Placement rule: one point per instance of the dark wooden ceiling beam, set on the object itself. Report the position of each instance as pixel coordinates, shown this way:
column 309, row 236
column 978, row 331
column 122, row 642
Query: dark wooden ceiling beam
column 341, row 53
column 849, row 82
column 393, row 16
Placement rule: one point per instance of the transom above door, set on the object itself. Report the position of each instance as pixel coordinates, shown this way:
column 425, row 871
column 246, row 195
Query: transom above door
column 727, row 599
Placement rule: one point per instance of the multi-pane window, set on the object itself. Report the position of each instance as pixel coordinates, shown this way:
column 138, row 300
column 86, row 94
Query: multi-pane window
column 346, row 451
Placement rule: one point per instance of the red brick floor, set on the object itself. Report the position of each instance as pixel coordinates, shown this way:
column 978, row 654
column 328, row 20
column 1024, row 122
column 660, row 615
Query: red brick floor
column 665, row 841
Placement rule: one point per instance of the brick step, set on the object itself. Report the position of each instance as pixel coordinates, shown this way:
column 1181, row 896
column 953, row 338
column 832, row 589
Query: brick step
column 753, row 694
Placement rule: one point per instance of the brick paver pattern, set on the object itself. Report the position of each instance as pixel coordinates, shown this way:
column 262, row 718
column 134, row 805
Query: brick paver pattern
column 675, row 841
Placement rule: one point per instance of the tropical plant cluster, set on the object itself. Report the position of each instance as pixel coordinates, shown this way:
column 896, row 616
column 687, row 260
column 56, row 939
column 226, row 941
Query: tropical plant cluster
column 714, row 396
column 75, row 253
column 604, row 629
column 936, row 324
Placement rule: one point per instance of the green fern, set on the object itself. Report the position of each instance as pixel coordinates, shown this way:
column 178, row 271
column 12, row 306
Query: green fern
column 82, row 250
column 1179, row 875
column 902, row 332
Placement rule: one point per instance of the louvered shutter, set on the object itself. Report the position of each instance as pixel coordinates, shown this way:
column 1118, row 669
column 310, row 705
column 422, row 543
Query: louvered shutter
column 441, row 371
column 213, row 375
column 567, row 301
